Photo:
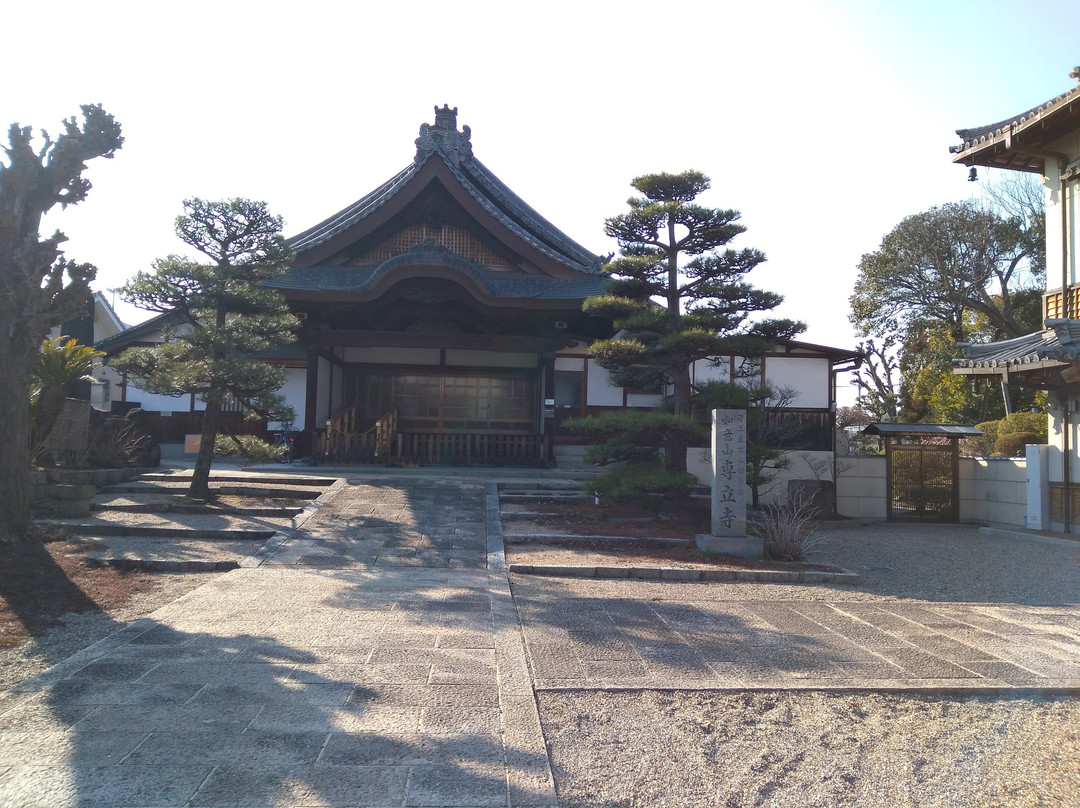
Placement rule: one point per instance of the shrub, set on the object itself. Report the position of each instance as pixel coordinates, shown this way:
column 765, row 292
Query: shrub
column 634, row 439
column 1033, row 423
column 638, row 479
column 117, row 442
column 252, row 449
column 786, row 527
column 1013, row 443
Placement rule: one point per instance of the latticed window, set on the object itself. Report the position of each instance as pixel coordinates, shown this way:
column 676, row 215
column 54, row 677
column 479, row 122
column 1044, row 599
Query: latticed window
column 456, row 239
column 452, row 403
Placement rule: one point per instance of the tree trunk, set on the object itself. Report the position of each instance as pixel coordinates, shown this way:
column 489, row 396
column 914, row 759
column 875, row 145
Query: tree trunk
column 15, row 363
column 200, row 478
column 675, row 444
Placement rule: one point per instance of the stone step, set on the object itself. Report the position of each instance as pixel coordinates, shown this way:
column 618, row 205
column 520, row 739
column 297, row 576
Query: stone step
column 99, row 529
column 179, row 485
column 192, row 508
column 253, row 478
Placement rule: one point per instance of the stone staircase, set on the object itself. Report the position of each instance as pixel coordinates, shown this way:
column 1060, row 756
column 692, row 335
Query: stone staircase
column 150, row 523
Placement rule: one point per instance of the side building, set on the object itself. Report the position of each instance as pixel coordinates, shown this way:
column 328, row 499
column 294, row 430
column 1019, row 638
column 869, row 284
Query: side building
column 1044, row 141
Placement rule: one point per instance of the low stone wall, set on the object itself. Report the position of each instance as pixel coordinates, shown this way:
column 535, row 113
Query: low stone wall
column 802, row 466
column 45, row 484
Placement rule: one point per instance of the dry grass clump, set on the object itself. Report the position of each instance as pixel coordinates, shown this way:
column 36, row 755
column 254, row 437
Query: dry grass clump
column 787, row 527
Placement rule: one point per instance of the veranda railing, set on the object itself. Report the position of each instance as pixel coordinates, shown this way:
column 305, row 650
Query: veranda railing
column 346, row 441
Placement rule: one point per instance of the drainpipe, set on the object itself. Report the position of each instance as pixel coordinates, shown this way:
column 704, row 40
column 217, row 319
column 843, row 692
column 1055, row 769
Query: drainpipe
column 1064, row 250
column 1066, row 426
column 1066, row 402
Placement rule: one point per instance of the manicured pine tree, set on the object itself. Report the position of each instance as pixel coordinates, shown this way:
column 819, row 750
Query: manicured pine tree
column 229, row 315
column 676, row 296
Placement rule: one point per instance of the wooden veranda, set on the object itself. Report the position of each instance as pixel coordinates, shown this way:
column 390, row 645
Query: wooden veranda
column 346, row 441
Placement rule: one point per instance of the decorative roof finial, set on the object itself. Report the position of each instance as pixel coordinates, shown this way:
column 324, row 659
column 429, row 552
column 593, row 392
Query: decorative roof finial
column 443, row 136
column 446, row 118
column 1074, row 75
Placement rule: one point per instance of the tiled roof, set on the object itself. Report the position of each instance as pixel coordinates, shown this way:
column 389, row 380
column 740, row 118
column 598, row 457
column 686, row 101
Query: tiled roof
column 1060, row 342
column 346, row 218
column 135, row 333
column 948, row 430
column 978, row 134
column 442, row 141
column 346, row 279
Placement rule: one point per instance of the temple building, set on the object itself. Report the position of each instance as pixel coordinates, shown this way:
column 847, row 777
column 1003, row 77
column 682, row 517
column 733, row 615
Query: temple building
column 442, row 322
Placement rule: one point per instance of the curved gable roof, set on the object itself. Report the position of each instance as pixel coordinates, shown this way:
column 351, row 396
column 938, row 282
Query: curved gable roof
column 444, row 154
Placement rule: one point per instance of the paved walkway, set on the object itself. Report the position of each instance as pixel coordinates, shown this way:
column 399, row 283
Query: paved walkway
column 372, row 660
column 641, row 635
column 375, row 659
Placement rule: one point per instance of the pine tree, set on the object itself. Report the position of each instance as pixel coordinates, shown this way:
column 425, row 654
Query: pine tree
column 228, row 315
column 675, row 297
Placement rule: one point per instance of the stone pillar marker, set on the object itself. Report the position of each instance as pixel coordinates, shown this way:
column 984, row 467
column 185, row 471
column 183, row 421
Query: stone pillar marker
column 729, row 489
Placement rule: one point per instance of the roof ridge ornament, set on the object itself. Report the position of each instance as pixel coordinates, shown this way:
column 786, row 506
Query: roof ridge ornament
column 443, row 136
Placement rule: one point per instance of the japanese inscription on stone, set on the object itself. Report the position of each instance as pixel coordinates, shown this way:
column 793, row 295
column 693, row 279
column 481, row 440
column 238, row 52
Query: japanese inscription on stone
column 729, row 473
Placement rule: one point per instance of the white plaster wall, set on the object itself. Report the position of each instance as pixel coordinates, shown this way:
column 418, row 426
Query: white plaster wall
column 803, row 466
column 600, row 391
column 861, row 488
column 993, row 490
column 391, row 356
column 295, row 392
column 153, row 402
column 1053, row 217
column 490, row 359
column 810, row 377
column 570, row 363
column 644, row 399
column 705, row 371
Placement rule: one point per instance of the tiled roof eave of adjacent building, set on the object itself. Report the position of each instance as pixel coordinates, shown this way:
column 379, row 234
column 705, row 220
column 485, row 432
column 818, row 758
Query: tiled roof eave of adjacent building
column 1058, row 344
column 974, row 137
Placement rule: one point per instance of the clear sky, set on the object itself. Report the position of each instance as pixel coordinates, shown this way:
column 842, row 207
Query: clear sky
column 824, row 122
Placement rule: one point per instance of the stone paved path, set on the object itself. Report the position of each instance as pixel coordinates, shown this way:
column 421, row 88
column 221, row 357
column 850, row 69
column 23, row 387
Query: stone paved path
column 371, row 660
column 375, row 659
column 617, row 634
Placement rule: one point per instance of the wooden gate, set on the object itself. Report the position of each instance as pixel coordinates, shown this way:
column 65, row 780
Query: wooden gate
column 923, row 482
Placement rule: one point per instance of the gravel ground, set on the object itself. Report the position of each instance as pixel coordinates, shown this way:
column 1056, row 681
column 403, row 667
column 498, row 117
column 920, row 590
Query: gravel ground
column 80, row 630
column 808, row 748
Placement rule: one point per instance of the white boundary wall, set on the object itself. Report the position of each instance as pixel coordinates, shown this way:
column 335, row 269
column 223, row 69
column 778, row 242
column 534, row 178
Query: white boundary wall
column 802, row 466
column 992, row 489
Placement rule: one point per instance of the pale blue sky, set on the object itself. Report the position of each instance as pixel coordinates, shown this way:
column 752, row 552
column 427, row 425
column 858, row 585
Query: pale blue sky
column 824, row 122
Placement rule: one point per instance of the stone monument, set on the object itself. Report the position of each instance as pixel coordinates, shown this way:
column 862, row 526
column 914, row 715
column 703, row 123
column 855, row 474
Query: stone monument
column 729, row 489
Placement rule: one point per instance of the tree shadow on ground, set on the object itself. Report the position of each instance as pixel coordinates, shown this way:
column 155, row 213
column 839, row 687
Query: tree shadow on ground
column 156, row 715
column 36, row 590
